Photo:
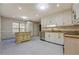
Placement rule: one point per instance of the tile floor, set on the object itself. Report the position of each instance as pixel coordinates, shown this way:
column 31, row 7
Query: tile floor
column 33, row 47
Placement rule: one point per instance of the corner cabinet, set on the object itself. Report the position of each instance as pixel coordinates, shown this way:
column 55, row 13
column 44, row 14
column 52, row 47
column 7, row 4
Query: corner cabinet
column 76, row 13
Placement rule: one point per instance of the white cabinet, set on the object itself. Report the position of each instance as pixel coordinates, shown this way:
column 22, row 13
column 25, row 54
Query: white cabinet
column 67, row 18
column 51, row 22
column 57, row 38
column 43, row 22
column 76, row 13
column 47, row 36
column 64, row 18
column 54, row 37
column 76, row 10
column 60, row 19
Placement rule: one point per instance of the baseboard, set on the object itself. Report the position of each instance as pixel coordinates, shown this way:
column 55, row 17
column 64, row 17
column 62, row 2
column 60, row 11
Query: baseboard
column 52, row 42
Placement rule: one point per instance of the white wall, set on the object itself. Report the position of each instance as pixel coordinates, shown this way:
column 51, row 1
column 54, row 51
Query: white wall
column 7, row 30
column 6, row 24
column 63, row 18
column 0, row 29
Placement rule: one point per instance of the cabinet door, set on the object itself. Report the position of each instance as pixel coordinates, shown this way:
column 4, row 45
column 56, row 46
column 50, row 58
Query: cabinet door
column 67, row 18
column 47, row 36
column 76, row 12
column 76, row 9
column 71, row 46
column 57, row 38
column 51, row 22
column 54, row 37
column 64, row 18
column 59, row 20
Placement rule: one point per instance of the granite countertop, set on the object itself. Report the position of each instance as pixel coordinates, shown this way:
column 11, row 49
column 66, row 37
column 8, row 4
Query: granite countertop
column 69, row 31
column 61, row 29
column 71, row 36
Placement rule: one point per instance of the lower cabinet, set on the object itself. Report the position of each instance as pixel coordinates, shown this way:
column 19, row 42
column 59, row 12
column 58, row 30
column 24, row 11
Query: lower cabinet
column 54, row 37
column 22, row 36
column 71, row 46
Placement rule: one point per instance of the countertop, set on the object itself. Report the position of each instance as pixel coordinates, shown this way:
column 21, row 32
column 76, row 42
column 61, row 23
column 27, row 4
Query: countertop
column 59, row 30
column 69, row 31
column 71, row 36
column 74, row 28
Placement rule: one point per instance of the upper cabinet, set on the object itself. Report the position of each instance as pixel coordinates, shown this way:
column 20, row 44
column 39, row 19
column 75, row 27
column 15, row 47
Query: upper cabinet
column 67, row 18
column 76, row 13
column 63, row 18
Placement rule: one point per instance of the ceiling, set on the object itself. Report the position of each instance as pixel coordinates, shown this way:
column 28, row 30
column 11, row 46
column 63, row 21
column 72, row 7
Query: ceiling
column 30, row 10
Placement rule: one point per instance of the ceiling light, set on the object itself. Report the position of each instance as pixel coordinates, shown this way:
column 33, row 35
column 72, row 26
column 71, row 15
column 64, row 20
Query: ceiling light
column 42, row 6
column 24, row 17
column 58, row 5
column 19, row 8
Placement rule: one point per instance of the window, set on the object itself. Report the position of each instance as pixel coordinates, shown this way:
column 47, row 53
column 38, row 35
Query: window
column 22, row 27
column 18, row 27
column 15, row 27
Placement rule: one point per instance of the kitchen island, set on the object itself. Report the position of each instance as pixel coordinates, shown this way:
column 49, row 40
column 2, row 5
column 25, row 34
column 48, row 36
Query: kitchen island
column 22, row 36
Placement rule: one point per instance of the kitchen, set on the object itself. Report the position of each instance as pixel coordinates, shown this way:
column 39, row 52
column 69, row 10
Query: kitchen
column 59, row 25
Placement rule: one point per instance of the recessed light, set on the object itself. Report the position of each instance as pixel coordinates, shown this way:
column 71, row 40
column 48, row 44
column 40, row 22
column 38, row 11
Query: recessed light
column 42, row 6
column 24, row 17
column 19, row 8
column 58, row 5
